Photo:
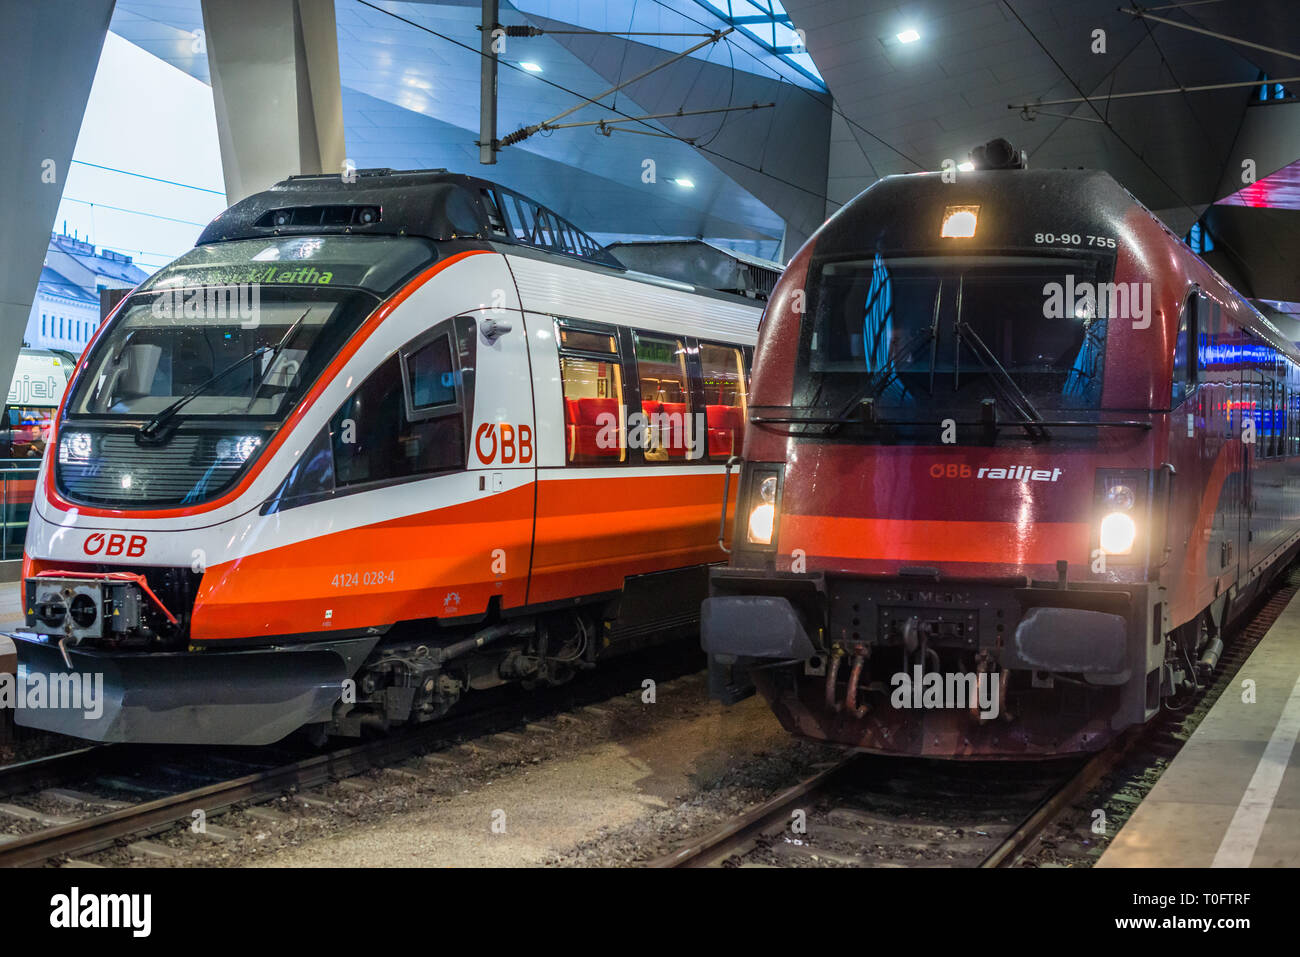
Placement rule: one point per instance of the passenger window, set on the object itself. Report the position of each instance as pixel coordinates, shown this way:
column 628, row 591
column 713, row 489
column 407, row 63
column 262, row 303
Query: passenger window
column 595, row 422
column 725, row 399
column 670, row 433
column 376, row 437
column 1257, row 405
column 1184, row 379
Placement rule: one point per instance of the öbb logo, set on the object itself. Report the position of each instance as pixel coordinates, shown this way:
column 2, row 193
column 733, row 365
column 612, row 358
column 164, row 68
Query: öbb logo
column 114, row 545
column 512, row 443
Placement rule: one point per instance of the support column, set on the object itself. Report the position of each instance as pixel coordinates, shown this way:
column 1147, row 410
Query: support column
column 50, row 51
column 275, row 83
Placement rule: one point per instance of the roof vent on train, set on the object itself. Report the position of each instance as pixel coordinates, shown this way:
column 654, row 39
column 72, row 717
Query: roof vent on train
column 999, row 154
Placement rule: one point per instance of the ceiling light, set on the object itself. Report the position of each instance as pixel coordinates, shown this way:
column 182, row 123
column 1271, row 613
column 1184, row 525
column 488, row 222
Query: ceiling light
column 908, row 36
column 530, row 67
column 684, row 183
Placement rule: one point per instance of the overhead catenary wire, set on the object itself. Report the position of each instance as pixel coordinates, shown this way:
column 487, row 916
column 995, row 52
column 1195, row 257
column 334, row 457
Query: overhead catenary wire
column 1110, row 126
column 559, row 86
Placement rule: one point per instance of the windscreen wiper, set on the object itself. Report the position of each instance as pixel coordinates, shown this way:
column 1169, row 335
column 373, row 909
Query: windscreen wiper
column 148, row 433
column 275, row 354
column 1031, row 419
column 880, row 381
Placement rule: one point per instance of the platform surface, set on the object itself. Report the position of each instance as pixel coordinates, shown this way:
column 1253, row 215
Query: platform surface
column 1231, row 797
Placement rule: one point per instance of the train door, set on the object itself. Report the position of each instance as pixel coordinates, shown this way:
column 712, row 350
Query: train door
column 502, row 456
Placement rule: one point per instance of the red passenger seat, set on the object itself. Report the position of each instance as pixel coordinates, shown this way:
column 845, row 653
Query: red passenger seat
column 726, row 429
column 674, row 431
column 588, row 418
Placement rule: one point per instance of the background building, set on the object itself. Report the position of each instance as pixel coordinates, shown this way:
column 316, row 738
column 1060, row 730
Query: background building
column 65, row 312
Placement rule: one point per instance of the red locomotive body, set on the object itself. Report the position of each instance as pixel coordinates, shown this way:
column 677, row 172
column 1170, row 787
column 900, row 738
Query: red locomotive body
column 1018, row 458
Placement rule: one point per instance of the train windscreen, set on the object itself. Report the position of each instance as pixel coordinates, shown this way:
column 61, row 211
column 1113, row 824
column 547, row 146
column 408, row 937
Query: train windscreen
column 932, row 334
column 241, row 328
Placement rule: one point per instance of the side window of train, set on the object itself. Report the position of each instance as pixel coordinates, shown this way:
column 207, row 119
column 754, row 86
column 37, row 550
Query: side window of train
column 1184, row 379
column 591, row 374
column 407, row 417
column 670, row 432
column 726, row 399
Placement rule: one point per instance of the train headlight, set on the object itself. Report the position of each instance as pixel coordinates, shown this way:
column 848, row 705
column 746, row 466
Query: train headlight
column 763, row 500
column 1121, row 510
column 1118, row 532
column 75, row 448
column 761, row 521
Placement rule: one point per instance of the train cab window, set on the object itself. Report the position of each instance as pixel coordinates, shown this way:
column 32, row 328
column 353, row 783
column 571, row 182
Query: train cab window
column 666, row 400
column 404, row 420
column 591, row 374
column 725, row 399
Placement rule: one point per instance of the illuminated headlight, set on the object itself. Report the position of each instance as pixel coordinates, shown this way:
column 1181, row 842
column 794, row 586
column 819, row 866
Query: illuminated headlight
column 1117, row 534
column 761, row 520
column 238, row 449
column 75, row 448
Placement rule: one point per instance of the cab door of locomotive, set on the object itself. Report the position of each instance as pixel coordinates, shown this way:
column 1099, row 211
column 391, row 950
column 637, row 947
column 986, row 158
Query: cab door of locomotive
column 502, row 455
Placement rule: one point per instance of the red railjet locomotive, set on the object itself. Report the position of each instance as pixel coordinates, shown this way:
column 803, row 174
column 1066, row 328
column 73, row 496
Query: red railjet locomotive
column 1018, row 458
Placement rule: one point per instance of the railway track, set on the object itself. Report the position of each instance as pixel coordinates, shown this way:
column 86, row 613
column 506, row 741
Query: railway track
column 872, row 811
column 64, row 807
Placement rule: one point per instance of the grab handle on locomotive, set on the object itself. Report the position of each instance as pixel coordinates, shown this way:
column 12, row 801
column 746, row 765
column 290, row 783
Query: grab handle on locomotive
column 1168, row 471
column 726, row 487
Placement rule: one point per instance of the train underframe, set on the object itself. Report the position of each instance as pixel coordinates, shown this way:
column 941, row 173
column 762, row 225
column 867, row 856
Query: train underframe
column 105, row 637
column 939, row 666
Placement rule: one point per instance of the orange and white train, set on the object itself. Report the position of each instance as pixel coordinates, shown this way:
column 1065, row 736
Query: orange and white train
column 370, row 445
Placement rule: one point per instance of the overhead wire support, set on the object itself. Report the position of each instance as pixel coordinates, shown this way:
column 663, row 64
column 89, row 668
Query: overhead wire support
column 519, row 135
column 1144, row 15
column 657, row 116
column 528, row 30
column 1107, row 97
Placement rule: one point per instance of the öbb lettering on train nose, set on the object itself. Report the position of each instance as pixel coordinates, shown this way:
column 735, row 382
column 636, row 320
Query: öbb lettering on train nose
column 115, row 544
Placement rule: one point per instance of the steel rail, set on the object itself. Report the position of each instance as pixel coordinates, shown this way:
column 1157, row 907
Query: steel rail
column 719, row 845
